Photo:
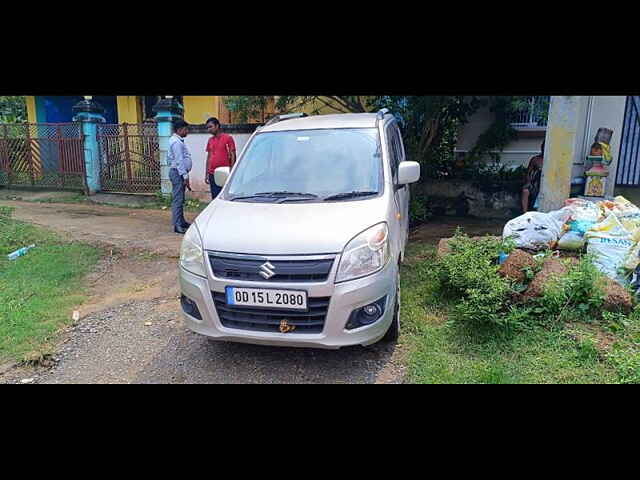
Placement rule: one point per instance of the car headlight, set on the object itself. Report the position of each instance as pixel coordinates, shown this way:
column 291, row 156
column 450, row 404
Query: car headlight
column 191, row 253
column 366, row 254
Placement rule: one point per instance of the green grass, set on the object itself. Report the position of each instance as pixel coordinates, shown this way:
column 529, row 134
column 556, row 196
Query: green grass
column 442, row 351
column 158, row 202
column 38, row 290
column 70, row 197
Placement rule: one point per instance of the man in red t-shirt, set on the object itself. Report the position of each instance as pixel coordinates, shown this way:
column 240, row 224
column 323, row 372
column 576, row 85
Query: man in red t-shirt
column 221, row 152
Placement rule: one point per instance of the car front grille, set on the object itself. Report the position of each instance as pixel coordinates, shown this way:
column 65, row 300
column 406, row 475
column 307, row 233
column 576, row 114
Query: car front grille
column 269, row 320
column 284, row 270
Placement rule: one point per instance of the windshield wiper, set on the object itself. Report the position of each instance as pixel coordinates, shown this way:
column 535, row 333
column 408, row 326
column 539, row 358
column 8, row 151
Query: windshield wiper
column 340, row 196
column 296, row 199
column 288, row 194
column 278, row 195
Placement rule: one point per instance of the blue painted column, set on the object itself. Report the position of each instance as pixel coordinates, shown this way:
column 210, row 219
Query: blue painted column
column 90, row 113
column 41, row 111
column 167, row 110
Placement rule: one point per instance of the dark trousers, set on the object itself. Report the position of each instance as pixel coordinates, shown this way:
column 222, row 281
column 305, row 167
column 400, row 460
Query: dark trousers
column 177, row 202
column 215, row 189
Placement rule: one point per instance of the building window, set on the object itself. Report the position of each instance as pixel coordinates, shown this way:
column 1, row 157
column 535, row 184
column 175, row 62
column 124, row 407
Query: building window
column 531, row 112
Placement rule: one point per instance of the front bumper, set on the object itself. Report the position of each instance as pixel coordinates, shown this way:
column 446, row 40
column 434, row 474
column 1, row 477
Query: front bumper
column 344, row 298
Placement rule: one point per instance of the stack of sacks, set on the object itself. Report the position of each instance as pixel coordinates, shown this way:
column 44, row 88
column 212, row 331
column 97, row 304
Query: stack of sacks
column 610, row 243
column 536, row 230
column 613, row 239
column 609, row 229
column 584, row 215
column 627, row 212
column 629, row 216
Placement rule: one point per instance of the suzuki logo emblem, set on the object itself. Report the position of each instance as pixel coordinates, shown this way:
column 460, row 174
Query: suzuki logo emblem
column 267, row 271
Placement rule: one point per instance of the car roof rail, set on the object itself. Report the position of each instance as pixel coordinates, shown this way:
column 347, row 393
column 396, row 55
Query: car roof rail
column 380, row 115
column 287, row 116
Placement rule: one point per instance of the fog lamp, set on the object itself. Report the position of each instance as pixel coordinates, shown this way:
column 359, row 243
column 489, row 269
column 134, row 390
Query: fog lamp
column 366, row 315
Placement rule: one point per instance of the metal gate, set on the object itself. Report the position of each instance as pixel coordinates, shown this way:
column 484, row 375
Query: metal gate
column 46, row 155
column 628, row 173
column 129, row 157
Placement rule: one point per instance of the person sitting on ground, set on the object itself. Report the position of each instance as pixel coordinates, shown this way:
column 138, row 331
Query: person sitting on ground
column 531, row 188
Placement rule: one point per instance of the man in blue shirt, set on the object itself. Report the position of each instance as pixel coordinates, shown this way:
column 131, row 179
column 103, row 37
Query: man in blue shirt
column 179, row 160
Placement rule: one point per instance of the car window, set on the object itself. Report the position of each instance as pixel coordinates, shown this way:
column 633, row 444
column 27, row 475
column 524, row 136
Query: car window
column 401, row 152
column 322, row 162
column 392, row 142
column 264, row 151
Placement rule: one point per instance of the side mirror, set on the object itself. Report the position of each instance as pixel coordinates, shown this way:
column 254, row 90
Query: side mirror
column 408, row 172
column 220, row 175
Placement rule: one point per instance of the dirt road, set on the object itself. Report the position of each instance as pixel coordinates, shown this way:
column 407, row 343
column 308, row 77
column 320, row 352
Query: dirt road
column 131, row 329
column 125, row 229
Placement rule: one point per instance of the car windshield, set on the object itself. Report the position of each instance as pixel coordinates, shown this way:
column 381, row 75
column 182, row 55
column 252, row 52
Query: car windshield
column 309, row 165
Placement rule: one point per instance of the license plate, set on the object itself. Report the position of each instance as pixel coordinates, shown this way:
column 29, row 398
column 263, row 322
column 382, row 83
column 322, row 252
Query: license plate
column 267, row 298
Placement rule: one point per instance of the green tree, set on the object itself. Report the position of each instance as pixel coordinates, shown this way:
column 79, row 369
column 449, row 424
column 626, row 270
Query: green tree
column 429, row 123
column 248, row 106
column 13, row 109
column 429, row 126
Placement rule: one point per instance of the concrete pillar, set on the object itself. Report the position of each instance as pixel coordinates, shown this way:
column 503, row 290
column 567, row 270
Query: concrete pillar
column 167, row 110
column 90, row 113
column 32, row 115
column 563, row 147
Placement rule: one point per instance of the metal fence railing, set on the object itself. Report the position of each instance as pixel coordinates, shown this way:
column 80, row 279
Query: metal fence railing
column 45, row 155
column 628, row 171
column 129, row 157
column 533, row 114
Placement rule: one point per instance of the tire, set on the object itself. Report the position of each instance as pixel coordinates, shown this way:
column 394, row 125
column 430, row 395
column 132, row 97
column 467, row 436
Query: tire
column 394, row 329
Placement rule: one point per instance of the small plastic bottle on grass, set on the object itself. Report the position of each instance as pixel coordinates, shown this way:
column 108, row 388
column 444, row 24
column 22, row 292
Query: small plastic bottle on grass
column 20, row 253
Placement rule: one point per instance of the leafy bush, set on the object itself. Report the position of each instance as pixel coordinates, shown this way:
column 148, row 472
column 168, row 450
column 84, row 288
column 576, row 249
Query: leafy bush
column 471, row 272
column 496, row 177
column 419, row 209
column 13, row 109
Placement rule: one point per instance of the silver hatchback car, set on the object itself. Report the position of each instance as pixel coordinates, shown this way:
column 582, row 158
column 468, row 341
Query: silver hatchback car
column 303, row 245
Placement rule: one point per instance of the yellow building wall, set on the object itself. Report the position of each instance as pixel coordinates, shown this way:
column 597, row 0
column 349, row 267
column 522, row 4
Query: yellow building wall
column 198, row 108
column 31, row 109
column 129, row 109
